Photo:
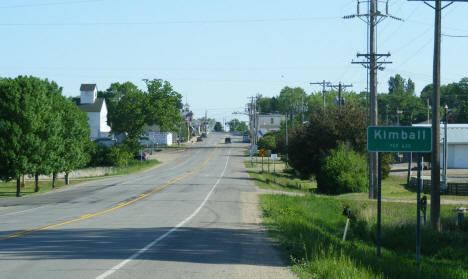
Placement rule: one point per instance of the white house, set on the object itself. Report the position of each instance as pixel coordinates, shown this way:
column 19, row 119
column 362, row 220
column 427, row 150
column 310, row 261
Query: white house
column 457, row 139
column 96, row 110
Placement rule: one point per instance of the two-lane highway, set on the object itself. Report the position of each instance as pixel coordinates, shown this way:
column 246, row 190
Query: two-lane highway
column 195, row 217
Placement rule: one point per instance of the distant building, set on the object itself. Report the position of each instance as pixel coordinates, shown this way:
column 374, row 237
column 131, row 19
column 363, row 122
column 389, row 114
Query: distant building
column 152, row 135
column 269, row 123
column 96, row 110
column 457, row 136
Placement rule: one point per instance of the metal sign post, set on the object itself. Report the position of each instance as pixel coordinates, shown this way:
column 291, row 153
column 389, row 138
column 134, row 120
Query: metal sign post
column 398, row 139
column 274, row 157
column 262, row 153
column 418, row 209
column 379, row 202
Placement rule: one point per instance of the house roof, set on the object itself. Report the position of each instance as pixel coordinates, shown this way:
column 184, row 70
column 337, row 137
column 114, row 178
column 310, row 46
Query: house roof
column 456, row 133
column 96, row 107
column 87, row 87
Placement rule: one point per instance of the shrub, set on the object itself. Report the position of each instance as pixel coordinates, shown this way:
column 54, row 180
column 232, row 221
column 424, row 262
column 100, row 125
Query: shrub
column 98, row 155
column 119, row 156
column 268, row 142
column 101, row 155
column 387, row 160
column 343, row 171
column 310, row 144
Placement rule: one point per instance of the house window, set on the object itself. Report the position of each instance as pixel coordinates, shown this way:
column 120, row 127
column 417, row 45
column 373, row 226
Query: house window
column 272, row 121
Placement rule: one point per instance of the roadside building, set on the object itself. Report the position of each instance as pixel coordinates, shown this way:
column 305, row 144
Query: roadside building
column 96, row 110
column 457, row 139
column 269, row 123
column 153, row 136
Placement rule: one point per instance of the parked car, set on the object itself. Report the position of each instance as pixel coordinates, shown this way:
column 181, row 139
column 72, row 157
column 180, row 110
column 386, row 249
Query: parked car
column 142, row 157
column 199, row 139
column 105, row 142
column 204, row 135
column 227, row 140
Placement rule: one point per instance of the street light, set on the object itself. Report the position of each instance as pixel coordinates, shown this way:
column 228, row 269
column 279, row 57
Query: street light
column 399, row 112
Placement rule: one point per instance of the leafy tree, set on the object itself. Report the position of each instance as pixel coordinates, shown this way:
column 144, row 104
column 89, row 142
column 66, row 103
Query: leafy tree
column 164, row 104
column 401, row 97
column 267, row 105
column 289, row 98
column 268, row 142
column 22, row 108
column 52, row 133
column 462, row 116
column 130, row 108
column 75, row 138
column 453, row 95
column 127, row 109
column 311, row 143
column 343, row 171
column 218, row 127
column 237, row 126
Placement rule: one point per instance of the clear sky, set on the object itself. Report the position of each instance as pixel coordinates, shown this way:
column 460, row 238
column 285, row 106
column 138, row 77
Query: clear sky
column 217, row 53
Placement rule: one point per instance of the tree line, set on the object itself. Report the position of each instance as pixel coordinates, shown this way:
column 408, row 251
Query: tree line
column 130, row 109
column 44, row 133
column 399, row 106
column 331, row 143
column 41, row 131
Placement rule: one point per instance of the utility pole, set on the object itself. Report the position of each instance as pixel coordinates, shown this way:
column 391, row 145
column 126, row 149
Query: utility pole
column 206, row 120
column 324, row 84
column 287, row 136
column 435, row 157
column 372, row 17
column 340, row 87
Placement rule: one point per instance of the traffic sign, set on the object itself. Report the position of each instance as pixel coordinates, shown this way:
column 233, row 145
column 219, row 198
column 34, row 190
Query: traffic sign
column 274, row 156
column 262, row 152
column 399, row 139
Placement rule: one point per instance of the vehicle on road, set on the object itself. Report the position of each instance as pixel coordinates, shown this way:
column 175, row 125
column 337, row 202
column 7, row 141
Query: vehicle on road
column 227, row 140
column 204, row 135
column 142, row 157
column 105, row 142
column 199, row 139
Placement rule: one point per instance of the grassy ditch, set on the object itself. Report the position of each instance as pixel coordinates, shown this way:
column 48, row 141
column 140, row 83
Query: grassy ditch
column 394, row 188
column 309, row 231
column 282, row 181
column 8, row 189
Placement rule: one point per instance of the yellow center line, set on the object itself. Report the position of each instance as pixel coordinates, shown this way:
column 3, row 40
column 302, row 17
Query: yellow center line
column 122, row 204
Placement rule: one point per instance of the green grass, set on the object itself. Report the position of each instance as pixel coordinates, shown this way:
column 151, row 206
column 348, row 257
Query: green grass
column 395, row 188
column 282, row 181
column 8, row 189
column 135, row 166
column 309, row 231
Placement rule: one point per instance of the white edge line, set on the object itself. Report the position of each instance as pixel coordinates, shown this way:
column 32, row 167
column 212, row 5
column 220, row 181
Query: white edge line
column 22, row 211
column 154, row 242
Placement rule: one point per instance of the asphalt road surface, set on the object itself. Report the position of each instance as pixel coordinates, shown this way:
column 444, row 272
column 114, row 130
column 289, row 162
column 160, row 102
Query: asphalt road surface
column 195, row 217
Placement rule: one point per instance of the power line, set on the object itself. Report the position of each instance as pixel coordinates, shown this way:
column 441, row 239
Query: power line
column 455, row 36
column 220, row 21
column 49, row 4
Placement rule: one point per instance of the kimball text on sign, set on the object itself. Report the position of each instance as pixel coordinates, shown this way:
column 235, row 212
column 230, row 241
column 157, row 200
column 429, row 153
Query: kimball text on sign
column 399, row 135
column 399, row 139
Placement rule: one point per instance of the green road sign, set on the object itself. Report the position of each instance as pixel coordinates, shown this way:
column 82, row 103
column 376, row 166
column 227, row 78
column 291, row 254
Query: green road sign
column 399, row 139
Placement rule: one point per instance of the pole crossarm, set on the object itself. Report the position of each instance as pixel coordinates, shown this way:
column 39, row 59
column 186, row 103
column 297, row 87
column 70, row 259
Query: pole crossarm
column 337, row 86
column 443, row 7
